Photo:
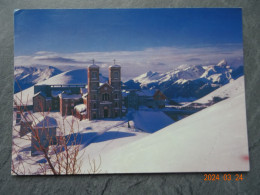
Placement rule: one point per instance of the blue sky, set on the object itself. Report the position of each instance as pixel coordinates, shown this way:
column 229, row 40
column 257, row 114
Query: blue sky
column 60, row 36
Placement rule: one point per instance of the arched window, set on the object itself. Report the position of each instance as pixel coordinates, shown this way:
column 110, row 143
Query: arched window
column 105, row 97
column 93, row 74
column 116, row 74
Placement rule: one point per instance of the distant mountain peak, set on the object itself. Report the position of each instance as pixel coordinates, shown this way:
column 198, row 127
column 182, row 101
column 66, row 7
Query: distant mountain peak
column 222, row 63
column 149, row 73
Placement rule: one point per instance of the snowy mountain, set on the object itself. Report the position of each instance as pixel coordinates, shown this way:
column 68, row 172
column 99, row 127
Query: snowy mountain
column 26, row 77
column 214, row 139
column 78, row 76
column 190, row 82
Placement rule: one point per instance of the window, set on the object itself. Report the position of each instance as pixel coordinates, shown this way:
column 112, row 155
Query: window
column 94, row 105
column 105, row 97
column 116, row 96
column 116, row 104
column 93, row 75
column 116, row 74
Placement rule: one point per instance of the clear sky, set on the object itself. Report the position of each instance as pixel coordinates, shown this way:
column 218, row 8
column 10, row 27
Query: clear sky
column 60, row 36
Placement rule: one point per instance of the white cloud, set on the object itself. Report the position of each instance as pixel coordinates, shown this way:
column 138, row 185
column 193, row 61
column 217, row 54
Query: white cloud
column 134, row 63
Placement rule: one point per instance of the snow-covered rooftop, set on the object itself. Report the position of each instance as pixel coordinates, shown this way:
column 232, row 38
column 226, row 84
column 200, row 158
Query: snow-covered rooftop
column 93, row 66
column 56, row 93
column 40, row 93
column 45, row 121
column 80, row 108
column 115, row 66
column 70, row 96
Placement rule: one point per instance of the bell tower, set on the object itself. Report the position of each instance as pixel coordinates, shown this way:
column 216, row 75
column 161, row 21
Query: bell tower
column 93, row 85
column 115, row 82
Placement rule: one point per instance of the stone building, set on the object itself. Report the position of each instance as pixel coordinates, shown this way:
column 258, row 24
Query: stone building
column 68, row 102
column 41, row 102
column 104, row 101
column 47, row 97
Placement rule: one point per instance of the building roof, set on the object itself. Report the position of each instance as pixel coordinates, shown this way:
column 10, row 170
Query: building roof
column 159, row 94
column 93, row 66
column 70, row 96
column 81, row 108
column 40, row 93
column 45, row 121
column 56, row 93
column 115, row 66
column 105, row 84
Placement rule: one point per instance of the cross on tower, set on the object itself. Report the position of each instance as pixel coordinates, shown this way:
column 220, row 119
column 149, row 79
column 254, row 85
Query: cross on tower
column 114, row 62
column 93, row 61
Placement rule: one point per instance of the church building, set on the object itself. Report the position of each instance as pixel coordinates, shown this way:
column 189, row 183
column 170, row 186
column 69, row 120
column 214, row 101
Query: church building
column 104, row 101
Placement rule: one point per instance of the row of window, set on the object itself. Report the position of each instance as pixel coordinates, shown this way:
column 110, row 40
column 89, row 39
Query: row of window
column 95, row 105
column 94, row 86
column 105, row 97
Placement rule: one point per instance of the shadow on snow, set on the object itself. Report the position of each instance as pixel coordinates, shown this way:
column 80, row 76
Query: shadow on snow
column 85, row 139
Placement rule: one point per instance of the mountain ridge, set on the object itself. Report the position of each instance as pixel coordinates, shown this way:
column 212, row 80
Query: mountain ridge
column 194, row 81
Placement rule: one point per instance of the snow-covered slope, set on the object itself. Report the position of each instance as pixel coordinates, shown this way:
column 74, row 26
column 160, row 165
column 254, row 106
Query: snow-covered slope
column 214, row 139
column 24, row 97
column 189, row 82
column 26, row 77
column 78, row 76
column 232, row 89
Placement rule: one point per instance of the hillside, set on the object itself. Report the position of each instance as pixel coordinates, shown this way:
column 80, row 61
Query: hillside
column 214, row 139
column 78, row 76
